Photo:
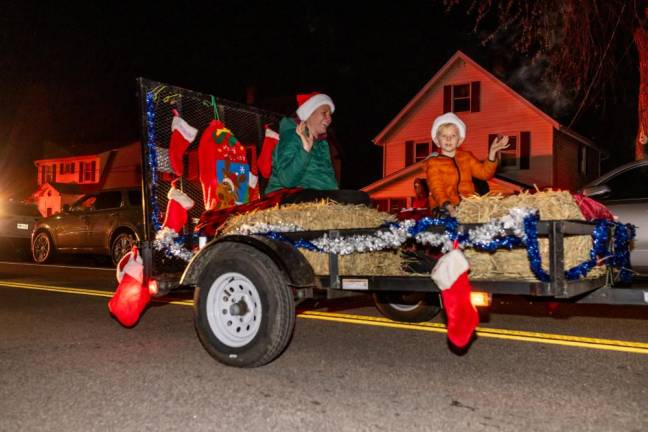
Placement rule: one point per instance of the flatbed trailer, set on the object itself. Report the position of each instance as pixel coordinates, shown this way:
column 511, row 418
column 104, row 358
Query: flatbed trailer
column 246, row 287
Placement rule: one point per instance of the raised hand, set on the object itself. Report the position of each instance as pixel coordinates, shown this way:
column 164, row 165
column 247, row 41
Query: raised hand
column 306, row 137
column 499, row 143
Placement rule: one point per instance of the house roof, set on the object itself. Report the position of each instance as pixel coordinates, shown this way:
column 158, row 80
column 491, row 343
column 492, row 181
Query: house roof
column 60, row 154
column 420, row 96
column 393, row 177
column 66, row 188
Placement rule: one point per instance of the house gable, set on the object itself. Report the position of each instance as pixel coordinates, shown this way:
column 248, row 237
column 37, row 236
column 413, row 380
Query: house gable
column 501, row 111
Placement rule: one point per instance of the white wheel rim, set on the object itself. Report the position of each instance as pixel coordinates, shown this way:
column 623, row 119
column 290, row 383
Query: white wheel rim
column 405, row 307
column 234, row 309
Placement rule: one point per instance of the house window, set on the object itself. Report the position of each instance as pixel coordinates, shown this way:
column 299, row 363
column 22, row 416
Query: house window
column 462, row 97
column 48, row 174
column 70, row 167
column 517, row 154
column 67, row 168
column 390, row 205
column 421, row 151
column 415, row 152
column 510, row 157
column 397, row 204
column 87, row 172
column 582, row 159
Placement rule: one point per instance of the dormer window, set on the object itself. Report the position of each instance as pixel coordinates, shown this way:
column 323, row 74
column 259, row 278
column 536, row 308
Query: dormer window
column 464, row 97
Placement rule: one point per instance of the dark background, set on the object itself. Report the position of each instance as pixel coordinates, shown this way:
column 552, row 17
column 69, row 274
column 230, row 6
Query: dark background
column 67, row 71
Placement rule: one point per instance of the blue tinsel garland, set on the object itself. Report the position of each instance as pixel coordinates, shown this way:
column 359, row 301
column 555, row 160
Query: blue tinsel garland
column 620, row 258
column 152, row 158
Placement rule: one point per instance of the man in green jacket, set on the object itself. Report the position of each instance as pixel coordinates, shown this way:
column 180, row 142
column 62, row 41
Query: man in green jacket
column 302, row 157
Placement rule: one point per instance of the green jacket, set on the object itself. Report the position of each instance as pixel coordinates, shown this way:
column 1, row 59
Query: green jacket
column 292, row 166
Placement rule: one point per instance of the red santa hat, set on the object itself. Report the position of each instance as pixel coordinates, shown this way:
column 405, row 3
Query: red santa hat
column 310, row 102
column 445, row 119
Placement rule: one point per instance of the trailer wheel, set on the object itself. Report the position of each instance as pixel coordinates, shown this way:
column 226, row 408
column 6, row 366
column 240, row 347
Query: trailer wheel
column 407, row 306
column 244, row 310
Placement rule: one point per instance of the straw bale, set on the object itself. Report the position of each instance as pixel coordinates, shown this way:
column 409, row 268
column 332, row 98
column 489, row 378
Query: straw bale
column 327, row 214
column 501, row 265
column 514, row 264
column 319, row 215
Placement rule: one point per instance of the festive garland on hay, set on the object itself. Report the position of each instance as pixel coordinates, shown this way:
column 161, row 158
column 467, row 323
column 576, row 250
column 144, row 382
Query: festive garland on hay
column 486, row 237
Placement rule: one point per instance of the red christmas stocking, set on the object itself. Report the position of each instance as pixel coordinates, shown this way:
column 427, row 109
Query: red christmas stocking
column 451, row 276
column 131, row 296
column 182, row 134
column 176, row 213
column 267, row 147
column 253, row 187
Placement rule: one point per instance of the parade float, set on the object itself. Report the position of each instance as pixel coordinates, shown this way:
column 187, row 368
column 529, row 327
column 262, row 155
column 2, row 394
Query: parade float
column 250, row 259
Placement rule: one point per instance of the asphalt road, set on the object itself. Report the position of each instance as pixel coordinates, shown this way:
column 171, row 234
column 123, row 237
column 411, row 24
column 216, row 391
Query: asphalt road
column 66, row 365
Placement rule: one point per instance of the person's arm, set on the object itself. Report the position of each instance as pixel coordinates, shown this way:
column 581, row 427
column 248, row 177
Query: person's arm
column 290, row 160
column 486, row 170
column 482, row 170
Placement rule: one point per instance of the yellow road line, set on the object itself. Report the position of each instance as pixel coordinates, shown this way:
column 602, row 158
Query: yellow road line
column 83, row 291
column 489, row 332
column 494, row 333
column 517, row 335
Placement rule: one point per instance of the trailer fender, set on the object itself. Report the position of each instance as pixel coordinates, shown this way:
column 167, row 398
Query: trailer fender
column 287, row 258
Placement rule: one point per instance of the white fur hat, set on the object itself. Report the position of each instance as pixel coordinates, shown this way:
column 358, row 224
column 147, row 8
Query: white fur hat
column 448, row 118
column 310, row 102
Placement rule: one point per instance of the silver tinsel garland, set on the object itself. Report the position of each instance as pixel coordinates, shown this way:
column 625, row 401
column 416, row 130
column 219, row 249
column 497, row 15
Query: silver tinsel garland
column 263, row 228
column 397, row 235
column 513, row 221
column 165, row 240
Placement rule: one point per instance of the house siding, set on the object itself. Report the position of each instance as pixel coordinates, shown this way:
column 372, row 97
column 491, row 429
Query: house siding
column 566, row 154
column 500, row 112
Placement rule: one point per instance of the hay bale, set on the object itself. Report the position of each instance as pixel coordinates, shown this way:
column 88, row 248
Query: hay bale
column 327, row 214
column 553, row 205
column 318, row 215
column 514, row 264
column 501, row 265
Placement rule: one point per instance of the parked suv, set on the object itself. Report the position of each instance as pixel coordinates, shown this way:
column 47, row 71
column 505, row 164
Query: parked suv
column 108, row 222
column 16, row 224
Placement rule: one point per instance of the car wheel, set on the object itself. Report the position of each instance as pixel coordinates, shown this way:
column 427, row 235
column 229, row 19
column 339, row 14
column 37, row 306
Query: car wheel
column 121, row 245
column 407, row 306
column 43, row 249
column 244, row 311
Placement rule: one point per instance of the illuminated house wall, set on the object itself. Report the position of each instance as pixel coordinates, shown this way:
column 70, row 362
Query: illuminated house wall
column 63, row 180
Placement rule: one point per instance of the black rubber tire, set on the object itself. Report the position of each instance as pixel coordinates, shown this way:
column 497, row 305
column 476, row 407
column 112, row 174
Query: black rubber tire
column 43, row 249
column 407, row 306
column 121, row 245
column 277, row 321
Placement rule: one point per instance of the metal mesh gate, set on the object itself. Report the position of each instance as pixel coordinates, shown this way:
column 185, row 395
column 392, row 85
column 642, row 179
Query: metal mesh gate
column 157, row 102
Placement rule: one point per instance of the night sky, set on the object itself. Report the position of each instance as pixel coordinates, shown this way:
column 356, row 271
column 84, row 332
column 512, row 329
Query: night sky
column 67, row 72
